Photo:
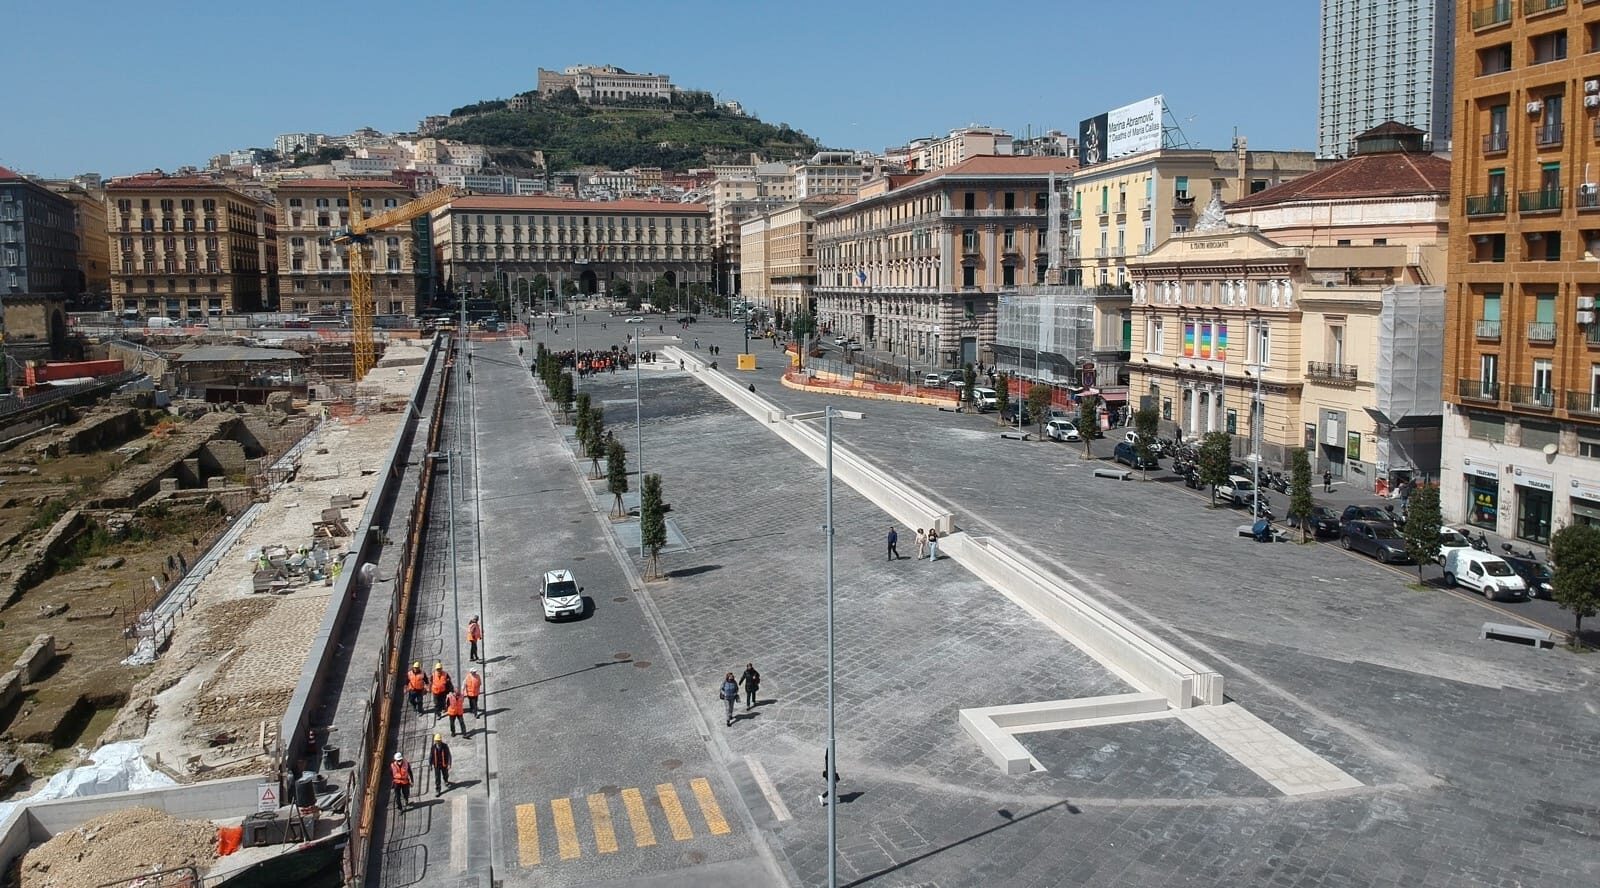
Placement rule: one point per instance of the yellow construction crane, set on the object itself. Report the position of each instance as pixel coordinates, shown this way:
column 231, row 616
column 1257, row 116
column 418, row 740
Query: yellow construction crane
column 358, row 247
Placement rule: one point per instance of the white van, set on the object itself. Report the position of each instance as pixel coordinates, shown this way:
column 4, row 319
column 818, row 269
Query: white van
column 1487, row 574
column 985, row 399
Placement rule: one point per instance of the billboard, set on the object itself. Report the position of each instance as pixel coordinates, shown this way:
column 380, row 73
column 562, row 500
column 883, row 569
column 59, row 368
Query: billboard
column 1121, row 131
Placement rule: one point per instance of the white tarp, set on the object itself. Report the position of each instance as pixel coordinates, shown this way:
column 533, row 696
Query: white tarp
column 114, row 767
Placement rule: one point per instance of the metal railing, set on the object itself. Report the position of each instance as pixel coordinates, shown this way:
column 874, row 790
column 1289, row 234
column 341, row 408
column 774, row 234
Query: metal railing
column 1542, row 200
column 1486, row 204
column 1586, row 197
column 1326, row 370
column 1488, row 329
column 1532, row 396
column 1592, row 335
column 1534, row 7
column 1583, row 402
column 1541, row 332
column 1550, row 135
column 1494, row 142
column 1477, row 390
column 1497, row 12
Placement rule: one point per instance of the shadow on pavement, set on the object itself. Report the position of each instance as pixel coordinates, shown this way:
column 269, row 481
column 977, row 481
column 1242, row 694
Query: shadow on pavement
column 1005, row 814
column 554, row 677
column 693, row 571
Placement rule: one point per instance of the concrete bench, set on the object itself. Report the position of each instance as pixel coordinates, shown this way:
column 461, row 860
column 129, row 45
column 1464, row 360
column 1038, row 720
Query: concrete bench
column 1539, row 638
column 996, row 743
column 1013, row 436
column 1109, row 472
column 994, row 727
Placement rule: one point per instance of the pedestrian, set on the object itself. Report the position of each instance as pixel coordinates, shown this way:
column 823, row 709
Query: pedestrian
column 729, row 694
column 400, row 779
column 922, row 543
column 474, row 635
column 439, row 758
column 752, row 682
column 894, row 540
column 472, row 687
column 933, row 544
column 1327, row 481
column 440, row 686
column 829, row 787
column 455, row 707
column 416, row 684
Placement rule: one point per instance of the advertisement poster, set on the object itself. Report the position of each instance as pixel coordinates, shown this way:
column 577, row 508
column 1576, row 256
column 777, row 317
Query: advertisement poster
column 1130, row 129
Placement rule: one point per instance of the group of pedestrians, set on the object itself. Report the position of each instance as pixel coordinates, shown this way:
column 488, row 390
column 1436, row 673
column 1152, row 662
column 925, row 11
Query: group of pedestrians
column 750, row 681
column 449, row 702
column 927, row 544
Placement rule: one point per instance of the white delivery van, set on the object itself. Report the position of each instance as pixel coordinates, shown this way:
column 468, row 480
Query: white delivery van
column 1489, row 575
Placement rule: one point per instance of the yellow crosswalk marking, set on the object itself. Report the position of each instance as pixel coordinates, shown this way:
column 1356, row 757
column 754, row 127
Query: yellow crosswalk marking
column 674, row 811
column 566, row 831
column 605, row 839
column 643, row 834
column 708, row 806
column 528, row 835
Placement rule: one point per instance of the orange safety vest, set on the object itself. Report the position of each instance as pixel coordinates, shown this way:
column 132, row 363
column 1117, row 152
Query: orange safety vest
column 474, row 632
column 415, row 680
column 440, row 680
column 473, row 686
column 400, row 771
column 453, row 705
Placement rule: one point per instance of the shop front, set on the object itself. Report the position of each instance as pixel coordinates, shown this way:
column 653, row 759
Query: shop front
column 1535, row 504
column 1482, row 483
column 1585, row 501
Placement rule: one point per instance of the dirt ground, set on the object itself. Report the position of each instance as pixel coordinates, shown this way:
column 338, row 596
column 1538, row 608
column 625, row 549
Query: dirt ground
column 120, row 844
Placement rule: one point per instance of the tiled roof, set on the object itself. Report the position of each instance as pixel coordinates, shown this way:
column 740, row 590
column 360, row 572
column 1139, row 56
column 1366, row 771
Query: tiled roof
column 1388, row 174
column 527, row 203
column 326, row 184
column 8, row 174
column 1392, row 128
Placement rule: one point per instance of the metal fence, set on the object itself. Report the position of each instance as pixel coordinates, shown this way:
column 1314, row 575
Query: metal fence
column 12, row 406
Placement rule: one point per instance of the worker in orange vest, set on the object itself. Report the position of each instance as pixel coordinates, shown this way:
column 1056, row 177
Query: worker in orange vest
column 474, row 635
column 454, row 707
column 416, row 683
column 441, row 685
column 473, row 687
column 400, row 777
column 439, row 758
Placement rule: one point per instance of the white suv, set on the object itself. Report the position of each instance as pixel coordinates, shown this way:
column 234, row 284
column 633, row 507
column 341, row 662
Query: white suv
column 560, row 595
column 1237, row 490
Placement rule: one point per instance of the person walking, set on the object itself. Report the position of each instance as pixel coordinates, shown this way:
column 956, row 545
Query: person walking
column 922, row 543
column 751, row 680
column 1327, row 481
column 474, row 635
column 400, row 779
column 416, row 685
column 472, row 688
column 439, row 760
column 829, row 788
column 894, row 541
column 933, row 544
column 729, row 695
column 440, row 685
column 455, row 707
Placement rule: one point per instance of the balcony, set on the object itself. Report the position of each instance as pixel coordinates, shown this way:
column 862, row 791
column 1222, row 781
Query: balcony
column 1550, row 135
column 1535, row 7
column 1592, row 335
column 1532, row 396
column 1486, row 205
column 1497, row 12
column 1494, row 143
column 1331, row 372
column 1544, row 200
column 1583, row 402
column 1541, row 332
column 1488, row 329
column 1587, row 197
column 1478, row 390
column 1182, row 202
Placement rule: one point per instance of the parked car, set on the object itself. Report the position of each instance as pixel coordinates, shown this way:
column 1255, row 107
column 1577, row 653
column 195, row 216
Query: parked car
column 634, row 320
column 1014, row 407
column 1536, row 575
column 1061, row 430
column 840, row 341
column 1488, row 575
column 852, row 346
column 932, row 380
column 560, row 595
column 1323, row 523
column 1128, row 455
column 1450, row 539
column 985, row 399
column 1375, row 538
column 1367, row 513
column 1237, row 490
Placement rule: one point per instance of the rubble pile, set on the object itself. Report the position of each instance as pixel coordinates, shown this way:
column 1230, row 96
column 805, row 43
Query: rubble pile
column 122, row 844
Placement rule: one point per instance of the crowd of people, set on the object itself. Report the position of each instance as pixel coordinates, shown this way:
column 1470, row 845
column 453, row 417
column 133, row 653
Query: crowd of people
column 589, row 362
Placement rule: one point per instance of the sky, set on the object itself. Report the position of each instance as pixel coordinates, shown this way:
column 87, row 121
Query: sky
column 119, row 87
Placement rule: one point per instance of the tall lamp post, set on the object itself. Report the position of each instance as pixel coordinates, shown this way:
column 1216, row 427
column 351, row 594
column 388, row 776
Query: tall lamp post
column 827, row 414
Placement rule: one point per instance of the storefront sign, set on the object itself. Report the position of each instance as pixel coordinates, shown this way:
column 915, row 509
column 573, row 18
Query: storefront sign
column 1479, row 469
column 1533, row 479
column 1585, row 489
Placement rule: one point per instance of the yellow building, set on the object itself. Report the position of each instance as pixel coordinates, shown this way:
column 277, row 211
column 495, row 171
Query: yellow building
column 779, row 260
column 313, row 277
column 94, row 244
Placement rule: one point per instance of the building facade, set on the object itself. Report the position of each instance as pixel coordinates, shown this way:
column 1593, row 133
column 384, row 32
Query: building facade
column 1522, row 352
column 1386, row 60
column 779, row 256
column 601, row 83
column 958, row 146
column 38, row 240
column 313, row 271
column 186, row 247
column 94, row 249
column 478, row 240
column 915, row 265
column 826, row 172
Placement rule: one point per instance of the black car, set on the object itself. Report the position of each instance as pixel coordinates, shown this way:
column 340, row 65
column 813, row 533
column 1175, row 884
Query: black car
column 1535, row 573
column 1324, row 523
column 1128, row 455
column 1368, row 513
column 1376, row 538
column 1012, row 409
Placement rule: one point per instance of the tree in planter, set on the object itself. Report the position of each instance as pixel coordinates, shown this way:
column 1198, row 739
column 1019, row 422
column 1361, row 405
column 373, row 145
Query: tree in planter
column 1145, row 423
column 581, row 423
column 617, row 476
column 564, row 393
column 1421, row 528
column 1039, row 404
column 803, row 325
column 1575, row 555
column 969, row 381
column 1002, row 396
column 1300, row 504
column 652, row 522
column 1216, row 457
column 596, row 449
column 1089, row 423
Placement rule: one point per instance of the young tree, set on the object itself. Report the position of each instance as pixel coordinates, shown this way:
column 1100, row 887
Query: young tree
column 1145, row 423
column 1421, row 528
column 969, row 381
column 617, row 476
column 564, row 393
column 803, row 325
column 652, row 522
column 569, row 288
column 1002, row 396
column 596, row 449
column 581, row 423
column 1039, row 404
column 541, row 284
column 1089, row 422
column 1216, row 456
column 1300, row 503
column 1575, row 555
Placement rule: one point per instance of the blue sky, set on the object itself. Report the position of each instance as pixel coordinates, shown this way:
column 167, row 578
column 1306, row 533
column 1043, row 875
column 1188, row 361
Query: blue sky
column 119, row 87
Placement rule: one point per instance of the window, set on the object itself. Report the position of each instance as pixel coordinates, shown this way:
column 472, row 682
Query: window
column 1008, row 275
column 969, row 276
column 1543, row 377
column 1550, row 47
column 969, row 203
column 1536, row 435
column 1181, row 189
column 1010, row 237
column 1153, row 336
column 1550, row 178
column 1494, row 59
column 1010, row 201
column 969, row 240
column 1497, row 138
column 1263, row 344
column 1336, row 344
column 1544, row 308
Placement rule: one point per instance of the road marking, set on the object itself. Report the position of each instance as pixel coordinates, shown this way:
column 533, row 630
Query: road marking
column 566, row 830
column 674, row 811
column 708, row 806
column 605, row 839
column 458, row 834
column 779, row 809
column 528, row 835
column 643, row 834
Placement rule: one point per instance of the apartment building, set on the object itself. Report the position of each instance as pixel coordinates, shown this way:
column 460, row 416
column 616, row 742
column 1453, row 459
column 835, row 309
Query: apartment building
column 1522, row 351
column 1308, row 315
column 1385, row 60
column 600, row 83
column 38, row 241
column 915, row 265
column 186, row 247
column 594, row 244
column 958, row 146
column 778, row 260
column 826, row 172
column 737, row 197
column 94, row 248
column 313, row 271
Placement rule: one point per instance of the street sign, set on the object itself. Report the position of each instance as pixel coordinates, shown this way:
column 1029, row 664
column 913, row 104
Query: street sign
column 266, row 797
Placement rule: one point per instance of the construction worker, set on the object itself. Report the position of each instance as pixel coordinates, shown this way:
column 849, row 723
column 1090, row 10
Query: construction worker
column 474, row 635
column 473, row 688
column 416, row 684
column 400, row 777
column 440, row 686
column 439, row 759
column 454, row 706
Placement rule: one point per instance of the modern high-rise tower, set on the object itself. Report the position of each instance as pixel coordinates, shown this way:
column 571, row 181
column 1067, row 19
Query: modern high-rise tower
column 1384, row 60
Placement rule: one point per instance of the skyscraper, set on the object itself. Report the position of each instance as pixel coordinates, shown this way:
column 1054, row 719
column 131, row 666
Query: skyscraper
column 1384, row 60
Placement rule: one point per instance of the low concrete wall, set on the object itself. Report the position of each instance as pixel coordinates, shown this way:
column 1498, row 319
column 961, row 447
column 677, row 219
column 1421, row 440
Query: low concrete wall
column 36, row 658
column 10, row 688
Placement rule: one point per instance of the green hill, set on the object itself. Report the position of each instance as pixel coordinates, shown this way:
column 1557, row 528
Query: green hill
column 617, row 137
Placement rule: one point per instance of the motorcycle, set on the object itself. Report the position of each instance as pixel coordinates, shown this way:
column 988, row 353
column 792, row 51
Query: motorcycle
column 1480, row 542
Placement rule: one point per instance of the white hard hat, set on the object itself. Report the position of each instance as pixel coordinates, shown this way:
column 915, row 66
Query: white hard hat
column 398, row 756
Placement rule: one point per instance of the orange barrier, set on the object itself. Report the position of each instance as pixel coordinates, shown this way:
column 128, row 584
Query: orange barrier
column 868, row 388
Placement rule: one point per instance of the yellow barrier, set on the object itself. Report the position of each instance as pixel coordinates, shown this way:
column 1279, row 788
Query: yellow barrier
column 747, row 362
